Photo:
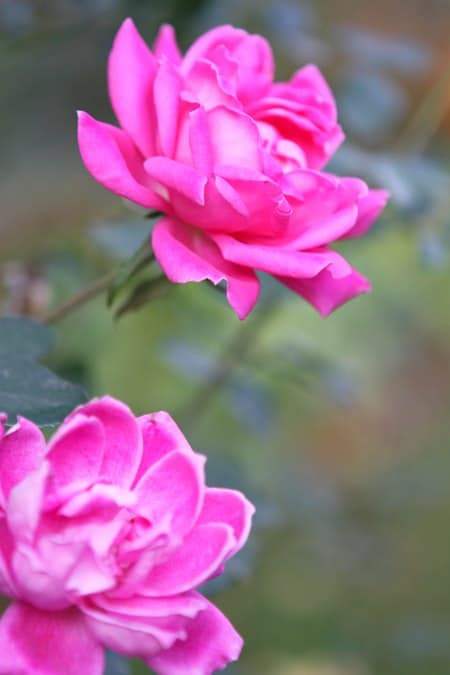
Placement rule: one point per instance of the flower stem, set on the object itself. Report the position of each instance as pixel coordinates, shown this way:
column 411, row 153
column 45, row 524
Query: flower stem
column 84, row 295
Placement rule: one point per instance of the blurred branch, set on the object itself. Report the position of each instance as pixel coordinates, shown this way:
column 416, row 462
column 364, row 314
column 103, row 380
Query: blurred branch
column 112, row 281
column 428, row 116
column 84, row 295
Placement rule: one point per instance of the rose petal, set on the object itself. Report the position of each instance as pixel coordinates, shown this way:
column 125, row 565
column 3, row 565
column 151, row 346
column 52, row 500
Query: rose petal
column 326, row 292
column 47, row 643
column 186, row 254
column 76, row 450
column 171, row 491
column 160, row 436
column 166, row 45
column 110, row 156
column 131, row 71
column 22, row 449
column 211, row 644
column 201, row 554
column 229, row 507
column 123, row 441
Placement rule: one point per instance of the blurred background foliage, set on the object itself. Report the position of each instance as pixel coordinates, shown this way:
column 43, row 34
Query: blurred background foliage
column 338, row 429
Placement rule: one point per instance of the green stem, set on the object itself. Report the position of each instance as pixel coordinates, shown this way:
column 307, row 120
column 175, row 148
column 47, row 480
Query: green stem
column 83, row 296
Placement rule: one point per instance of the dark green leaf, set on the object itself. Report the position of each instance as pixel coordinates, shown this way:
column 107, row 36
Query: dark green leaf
column 26, row 387
column 23, row 336
column 143, row 293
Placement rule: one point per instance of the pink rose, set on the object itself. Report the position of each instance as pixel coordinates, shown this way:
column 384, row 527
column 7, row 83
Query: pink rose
column 104, row 535
column 234, row 162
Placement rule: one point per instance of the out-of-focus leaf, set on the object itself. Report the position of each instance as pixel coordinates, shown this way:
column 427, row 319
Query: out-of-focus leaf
column 251, row 404
column 370, row 103
column 406, row 57
column 187, row 359
column 433, row 249
column 26, row 387
column 24, row 337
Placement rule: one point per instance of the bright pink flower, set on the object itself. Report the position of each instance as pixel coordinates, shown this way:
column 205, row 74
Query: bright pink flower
column 105, row 533
column 234, row 162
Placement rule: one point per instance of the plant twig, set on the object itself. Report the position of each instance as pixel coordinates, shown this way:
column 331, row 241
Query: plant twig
column 84, row 295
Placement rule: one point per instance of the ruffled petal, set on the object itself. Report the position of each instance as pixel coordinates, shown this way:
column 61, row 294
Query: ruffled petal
column 47, row 643
column 186, row 254
column 123, row 441
column 231, row 508
column 210, row 645
column 326, row 292
column 131, row 72
column 280, row 261
column 160, row 435
column 369, row 208
column 22, row 449
column 112, row 159
column 171, row 491
column 201, row 554
column 76, row 451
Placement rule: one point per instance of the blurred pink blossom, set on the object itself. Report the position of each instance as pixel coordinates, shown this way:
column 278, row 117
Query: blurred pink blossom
column 234, row 162
column 105, row 533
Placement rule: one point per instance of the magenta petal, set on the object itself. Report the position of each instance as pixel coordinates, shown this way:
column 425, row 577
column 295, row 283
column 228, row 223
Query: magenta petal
column 133, row 634
column 7, row 584
column 47, row 643
column 201, row 554
column 76, row 450
column 229, row 507
column 186, row 254
column 26, row 502
column 326, row 292
column 160, row 435
column 22, row 449
column 165, row 45
column 123, row 441
column 211, row 644
column 234, row 138
column 280, row 261
column 183, row 179
column 131, row 71
column 369, row 208
column 171, row 491
column 112, row 159
column 166, row 95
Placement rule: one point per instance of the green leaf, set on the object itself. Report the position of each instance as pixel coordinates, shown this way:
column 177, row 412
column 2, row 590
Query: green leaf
column 145, row 292
column 24, row 336
column 28, row 388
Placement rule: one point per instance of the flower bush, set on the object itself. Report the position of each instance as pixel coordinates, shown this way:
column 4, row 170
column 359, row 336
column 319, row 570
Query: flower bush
column 234, row 161
column 105, row 533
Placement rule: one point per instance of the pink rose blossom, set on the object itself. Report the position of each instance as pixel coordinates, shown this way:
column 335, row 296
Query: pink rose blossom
column 105, row 533
column 234, row 162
